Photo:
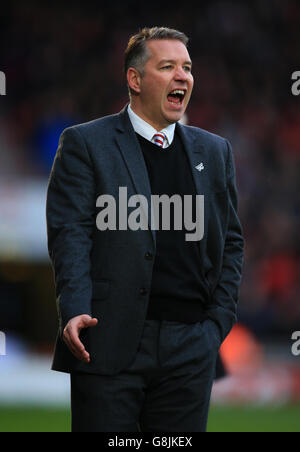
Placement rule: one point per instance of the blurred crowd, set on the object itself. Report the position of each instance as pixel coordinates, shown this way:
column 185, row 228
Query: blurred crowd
column 64, row 65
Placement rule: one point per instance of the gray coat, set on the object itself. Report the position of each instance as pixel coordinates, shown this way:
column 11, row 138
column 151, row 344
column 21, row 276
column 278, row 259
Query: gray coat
column 107, row 274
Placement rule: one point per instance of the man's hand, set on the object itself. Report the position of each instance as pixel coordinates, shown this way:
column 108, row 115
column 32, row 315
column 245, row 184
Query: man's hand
column 71, row 335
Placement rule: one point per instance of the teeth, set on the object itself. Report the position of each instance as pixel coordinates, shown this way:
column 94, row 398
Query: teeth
column 177, row 91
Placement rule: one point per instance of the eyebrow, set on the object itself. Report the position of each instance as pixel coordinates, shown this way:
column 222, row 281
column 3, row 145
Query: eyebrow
column 174, row 62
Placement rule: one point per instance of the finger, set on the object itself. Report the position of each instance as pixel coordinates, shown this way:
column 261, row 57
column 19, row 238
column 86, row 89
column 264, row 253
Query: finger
column 69, row 343
column 76, row 347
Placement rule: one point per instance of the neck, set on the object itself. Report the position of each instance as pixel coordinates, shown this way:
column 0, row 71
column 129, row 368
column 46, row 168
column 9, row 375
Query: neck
column 155, row 124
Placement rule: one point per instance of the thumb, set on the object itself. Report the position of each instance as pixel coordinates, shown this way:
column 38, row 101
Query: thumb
column 93, row 322
column 89, row 322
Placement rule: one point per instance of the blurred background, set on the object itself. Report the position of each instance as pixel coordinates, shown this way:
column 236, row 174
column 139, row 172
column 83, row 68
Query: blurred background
column 64, row 65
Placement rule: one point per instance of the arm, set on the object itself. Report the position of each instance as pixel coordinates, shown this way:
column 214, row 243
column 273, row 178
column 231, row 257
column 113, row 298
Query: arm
column 70, row 220
column 223, row 309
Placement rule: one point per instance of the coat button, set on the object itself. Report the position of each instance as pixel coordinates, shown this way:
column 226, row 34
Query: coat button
column 143, row 291
column 149, row 256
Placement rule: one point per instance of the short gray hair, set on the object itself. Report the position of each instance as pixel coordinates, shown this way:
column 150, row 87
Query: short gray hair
column 137, row 53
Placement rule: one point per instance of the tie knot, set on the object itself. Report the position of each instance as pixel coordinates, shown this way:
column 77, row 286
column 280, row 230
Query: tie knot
column 159, row 139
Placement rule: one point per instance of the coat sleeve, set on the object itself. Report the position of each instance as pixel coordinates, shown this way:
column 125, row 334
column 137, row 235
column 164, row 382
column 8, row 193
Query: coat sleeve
column 223, row 309
column 70, row 218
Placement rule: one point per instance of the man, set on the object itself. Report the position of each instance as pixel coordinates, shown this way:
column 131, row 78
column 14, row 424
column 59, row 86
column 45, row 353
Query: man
column 143, row 311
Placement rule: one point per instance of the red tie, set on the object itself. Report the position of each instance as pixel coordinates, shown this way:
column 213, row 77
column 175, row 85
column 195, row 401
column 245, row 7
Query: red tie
column 159, row 139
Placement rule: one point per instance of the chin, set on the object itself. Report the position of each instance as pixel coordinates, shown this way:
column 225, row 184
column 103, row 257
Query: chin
column 173, row 116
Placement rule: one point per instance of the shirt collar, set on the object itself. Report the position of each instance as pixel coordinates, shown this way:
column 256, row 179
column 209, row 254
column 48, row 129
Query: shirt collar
column 146, row 130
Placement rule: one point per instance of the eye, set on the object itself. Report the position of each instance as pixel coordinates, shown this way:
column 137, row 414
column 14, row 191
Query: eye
column 187, row 68
column 167, row 67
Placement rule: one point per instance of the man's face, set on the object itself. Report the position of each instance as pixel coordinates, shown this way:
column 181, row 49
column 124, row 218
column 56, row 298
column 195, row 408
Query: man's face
column 167, row 83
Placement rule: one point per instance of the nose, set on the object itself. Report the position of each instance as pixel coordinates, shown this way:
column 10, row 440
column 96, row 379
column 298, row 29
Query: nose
column 181, row 74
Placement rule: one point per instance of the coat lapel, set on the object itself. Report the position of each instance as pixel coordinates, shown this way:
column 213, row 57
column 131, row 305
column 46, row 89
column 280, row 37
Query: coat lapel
column 133, row 157
column 198, row 157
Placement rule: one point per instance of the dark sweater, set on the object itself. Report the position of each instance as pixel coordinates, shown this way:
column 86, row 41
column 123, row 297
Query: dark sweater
column 178, row 292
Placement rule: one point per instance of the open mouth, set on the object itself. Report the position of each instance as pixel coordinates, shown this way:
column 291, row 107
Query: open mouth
column 176, row 96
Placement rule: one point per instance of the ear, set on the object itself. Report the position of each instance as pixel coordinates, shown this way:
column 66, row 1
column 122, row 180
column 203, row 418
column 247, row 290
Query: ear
column 134, row 79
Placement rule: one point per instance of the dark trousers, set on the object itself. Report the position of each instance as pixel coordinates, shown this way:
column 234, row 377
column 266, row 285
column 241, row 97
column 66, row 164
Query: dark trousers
column 167, row 388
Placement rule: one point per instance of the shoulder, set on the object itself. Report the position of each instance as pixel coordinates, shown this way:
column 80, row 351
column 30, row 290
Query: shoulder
column 92, row 128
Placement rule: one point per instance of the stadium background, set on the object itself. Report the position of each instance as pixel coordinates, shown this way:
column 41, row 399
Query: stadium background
column 63, row 65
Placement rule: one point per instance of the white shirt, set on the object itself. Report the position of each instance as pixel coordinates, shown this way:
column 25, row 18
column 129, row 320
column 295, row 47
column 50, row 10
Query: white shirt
column 147, row 131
